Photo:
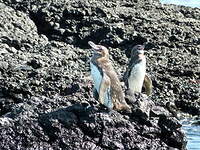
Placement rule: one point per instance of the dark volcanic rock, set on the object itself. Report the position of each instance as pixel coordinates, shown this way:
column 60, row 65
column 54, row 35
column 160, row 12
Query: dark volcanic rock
column 141, row 105
column 81, row 127
column 170, row 131
column 44, row 73
column 171, row 34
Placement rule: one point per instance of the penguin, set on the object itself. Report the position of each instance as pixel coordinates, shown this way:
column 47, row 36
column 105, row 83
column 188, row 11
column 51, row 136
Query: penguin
column 135, row 76
column 106, row 82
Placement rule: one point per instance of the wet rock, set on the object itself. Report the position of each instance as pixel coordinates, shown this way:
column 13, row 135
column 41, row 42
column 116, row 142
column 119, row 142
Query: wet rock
column 168, row 124
column 171, row 132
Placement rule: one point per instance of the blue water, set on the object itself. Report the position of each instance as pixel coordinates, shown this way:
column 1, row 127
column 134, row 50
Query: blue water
column 192, row 132
column 191, row 3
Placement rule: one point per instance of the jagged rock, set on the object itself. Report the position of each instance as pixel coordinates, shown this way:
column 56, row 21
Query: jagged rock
column 141, row 106
column 171, row 132
column 157, row 111
column 77, row 126
column 3, row 65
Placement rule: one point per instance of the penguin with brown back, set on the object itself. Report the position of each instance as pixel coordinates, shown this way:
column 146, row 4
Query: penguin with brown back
column 135, row 76
column 106, row 81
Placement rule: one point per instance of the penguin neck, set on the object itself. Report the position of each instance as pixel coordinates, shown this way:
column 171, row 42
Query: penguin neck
column 100, row 61
column 103, row 60
column 138, row 58
column 141, row 56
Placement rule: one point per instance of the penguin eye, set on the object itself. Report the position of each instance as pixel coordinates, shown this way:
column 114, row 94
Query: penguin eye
column 99, row 48
column 102, row 48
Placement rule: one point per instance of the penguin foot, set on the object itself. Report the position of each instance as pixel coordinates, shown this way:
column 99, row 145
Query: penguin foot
column 123, row 108
column 95, row 94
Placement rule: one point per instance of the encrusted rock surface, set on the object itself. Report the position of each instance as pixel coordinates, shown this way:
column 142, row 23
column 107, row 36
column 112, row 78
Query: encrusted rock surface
column 46, row 97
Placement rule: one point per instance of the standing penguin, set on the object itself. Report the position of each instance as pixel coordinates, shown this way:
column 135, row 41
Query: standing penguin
column 106, row 82
column 135, row 76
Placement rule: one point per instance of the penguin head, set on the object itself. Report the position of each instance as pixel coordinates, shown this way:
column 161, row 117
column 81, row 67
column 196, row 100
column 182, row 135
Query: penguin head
column 100, row 50
column 137, row 50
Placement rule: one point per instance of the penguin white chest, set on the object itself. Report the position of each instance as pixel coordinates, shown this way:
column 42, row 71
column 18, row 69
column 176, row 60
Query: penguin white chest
column 136, row 78
column 96, row 76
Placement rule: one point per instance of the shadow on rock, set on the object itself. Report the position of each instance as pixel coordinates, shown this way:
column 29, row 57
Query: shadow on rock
column 87, row 127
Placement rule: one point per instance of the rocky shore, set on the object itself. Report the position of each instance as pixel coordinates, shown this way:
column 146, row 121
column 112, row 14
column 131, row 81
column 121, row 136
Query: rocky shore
column 46, row 99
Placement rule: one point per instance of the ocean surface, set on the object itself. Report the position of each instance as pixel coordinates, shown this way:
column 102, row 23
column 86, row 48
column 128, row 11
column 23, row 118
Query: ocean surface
column 190, row 3
column 191, row 127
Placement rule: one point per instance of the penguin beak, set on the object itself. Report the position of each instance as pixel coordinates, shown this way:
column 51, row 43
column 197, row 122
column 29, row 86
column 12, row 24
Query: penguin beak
column 140, row 49
column 94, row 46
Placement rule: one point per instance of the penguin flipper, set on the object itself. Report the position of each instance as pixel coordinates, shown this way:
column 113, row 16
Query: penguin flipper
column 127, row 73
column 125, row 77
column 148, row 85
column 104, row 90
column 95, row 93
